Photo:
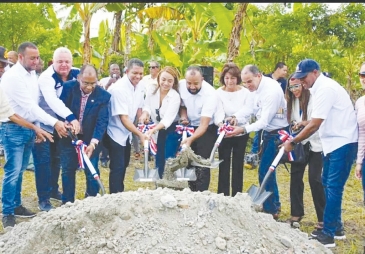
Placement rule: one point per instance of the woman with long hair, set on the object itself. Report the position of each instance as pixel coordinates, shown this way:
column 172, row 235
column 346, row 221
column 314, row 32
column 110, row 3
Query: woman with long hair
column 233, row 97
column 162, row 105
column 299, row 109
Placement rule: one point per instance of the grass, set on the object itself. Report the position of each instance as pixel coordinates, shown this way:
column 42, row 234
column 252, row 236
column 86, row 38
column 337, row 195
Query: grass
column 353, row 212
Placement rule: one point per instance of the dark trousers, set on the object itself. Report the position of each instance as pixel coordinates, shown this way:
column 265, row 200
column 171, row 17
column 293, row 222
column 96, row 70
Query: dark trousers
column 69, row 162
column 119, row 160
column 315, row 164
column 203, row 147
column 235, row 146
column 47, row 163
column 167, row 146
column 104, row 157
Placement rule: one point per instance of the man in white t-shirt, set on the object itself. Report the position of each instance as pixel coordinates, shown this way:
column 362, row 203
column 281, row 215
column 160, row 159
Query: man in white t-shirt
column 334, row 116
column 198, row 107
column 114, row 75
column 150, row 81
column 126, row 103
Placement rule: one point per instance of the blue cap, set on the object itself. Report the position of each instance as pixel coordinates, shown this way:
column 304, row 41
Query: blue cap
column 304, row 67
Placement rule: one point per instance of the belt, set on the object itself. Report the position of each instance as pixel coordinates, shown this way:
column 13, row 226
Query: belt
column 275, row 131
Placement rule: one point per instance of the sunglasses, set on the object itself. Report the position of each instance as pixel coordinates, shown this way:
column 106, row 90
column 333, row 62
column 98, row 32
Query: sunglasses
column 361, row 75
column 158, row 117
column 153, row 67
column 294, row 87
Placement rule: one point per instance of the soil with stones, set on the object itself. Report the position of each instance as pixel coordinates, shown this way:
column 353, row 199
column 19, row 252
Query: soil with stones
column 157, row 221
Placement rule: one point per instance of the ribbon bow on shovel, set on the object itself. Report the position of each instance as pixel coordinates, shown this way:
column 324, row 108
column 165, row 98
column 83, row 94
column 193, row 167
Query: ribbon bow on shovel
column 80, row 147
column 144, row 128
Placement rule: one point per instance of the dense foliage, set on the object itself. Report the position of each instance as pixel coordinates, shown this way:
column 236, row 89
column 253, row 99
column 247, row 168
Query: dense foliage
column 181, row 34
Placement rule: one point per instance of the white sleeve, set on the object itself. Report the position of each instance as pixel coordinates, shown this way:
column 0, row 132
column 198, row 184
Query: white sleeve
column 210, row 105
column 46, row 86
column 270, row 104
column 171, row 112
column 323, row 101
column 245, row 112
column 119, row 103
column 24, row 99
column 219, row 115
column 147, row 103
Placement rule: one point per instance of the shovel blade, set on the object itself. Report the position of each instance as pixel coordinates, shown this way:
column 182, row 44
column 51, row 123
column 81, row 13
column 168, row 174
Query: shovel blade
column 257, row 196
column 185, row 174
column 215, row 164
column 151, row 176
column 196, row 164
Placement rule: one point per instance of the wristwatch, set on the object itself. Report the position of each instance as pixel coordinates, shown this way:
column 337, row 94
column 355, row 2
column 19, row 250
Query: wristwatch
column 293, row 143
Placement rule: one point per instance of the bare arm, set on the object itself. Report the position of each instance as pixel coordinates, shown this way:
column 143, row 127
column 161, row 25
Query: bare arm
column 131, row 127
column 204, row 123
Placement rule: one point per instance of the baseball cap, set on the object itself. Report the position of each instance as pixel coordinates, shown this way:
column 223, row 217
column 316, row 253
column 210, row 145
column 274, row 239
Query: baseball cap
column 304, row 67
column 3, row 55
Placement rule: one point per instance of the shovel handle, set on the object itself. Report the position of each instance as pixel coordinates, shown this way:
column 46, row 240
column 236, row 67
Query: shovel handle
column 145, row 144
column 184, row 135
column 220, row 137
column 277, row 158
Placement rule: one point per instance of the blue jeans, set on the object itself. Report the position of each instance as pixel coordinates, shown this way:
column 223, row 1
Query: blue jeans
column 269, row 152
column 18, row 142
column 46, row 156
column 256, row 142
column 336, row 170
column 69, row 164
column 167, row 146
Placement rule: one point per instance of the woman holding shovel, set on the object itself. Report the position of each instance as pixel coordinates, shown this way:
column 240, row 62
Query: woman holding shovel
column 299, row 104
column 233, row 97
column 162, row 105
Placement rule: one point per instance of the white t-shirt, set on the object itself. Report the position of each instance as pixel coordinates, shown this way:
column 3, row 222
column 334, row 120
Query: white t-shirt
column 125, row 100
column 149, row 84
column 332, row 103
column 232, row 102
column 104, row 81
column 204, row 103
column 269, row 107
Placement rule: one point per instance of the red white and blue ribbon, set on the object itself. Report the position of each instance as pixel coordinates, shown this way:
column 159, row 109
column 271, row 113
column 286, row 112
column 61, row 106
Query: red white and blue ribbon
column 225, row 127
column 144, row 128
column 80, row 147
column 189, row 129
column 284, row 136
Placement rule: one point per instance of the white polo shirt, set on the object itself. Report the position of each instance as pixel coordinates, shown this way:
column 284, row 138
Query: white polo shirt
column 332, row 103
column 125, row 100
column 149, row 84
column 21, row 88
column 204, row 103
column 169, row 107
column 269, row 107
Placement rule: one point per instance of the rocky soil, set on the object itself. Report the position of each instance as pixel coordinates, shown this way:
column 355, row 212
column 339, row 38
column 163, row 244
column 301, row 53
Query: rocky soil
column 156, row 222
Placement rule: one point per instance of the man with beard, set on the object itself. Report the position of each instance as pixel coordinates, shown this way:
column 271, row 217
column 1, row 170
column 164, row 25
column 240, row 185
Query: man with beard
column 199, row 104
column 46, row 155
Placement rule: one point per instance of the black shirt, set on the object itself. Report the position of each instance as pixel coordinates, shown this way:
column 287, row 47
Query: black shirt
column 282, row 81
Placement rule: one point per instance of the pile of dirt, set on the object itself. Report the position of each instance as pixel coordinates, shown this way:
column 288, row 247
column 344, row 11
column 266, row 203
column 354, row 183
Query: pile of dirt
column 157, row 221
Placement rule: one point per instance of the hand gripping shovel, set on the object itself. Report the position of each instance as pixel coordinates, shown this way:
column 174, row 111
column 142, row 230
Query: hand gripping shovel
column 80, row 148
column 185, row 174
column 259, row 195
column 146, row 174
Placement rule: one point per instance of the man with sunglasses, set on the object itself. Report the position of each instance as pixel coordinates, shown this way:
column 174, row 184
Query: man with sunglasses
column 334, row 116
column 150, row 81
column 270, row 110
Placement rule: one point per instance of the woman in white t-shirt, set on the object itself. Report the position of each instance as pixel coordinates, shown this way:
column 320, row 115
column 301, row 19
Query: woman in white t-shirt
column 299, row 109
column 233, row 97
column 162, row 105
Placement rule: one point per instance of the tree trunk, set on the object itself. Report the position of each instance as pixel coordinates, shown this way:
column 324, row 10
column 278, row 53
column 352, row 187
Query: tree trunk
column 127, row 52
column 116, row 36
column 87, row 46
column 151, row 43
column 235, row 37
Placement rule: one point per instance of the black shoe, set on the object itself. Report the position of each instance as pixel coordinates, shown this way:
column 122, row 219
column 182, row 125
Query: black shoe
column 23, row 212
column 8, row 221
column 327, row 241
column 104, row 164
column 339, row 234
column 45, row 206
column 56, row 196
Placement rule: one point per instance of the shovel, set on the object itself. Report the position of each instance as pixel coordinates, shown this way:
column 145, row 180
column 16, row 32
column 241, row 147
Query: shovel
column 86, row 159
column 185, row 174
column 146, row 174
column 215, row 163
column 259, row 195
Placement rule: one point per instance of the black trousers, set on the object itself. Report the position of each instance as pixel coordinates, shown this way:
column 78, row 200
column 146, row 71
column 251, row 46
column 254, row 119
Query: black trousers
column 203, row 147
column 315, row 164
column 235, row 146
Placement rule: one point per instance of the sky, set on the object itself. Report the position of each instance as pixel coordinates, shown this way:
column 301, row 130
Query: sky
column 103, row 15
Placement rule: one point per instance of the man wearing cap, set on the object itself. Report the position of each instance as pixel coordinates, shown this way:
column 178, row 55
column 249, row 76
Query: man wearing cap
column 339, row 138
column 270, row 110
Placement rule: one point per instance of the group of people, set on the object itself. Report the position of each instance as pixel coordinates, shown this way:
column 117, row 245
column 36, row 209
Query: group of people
column 108, row 115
